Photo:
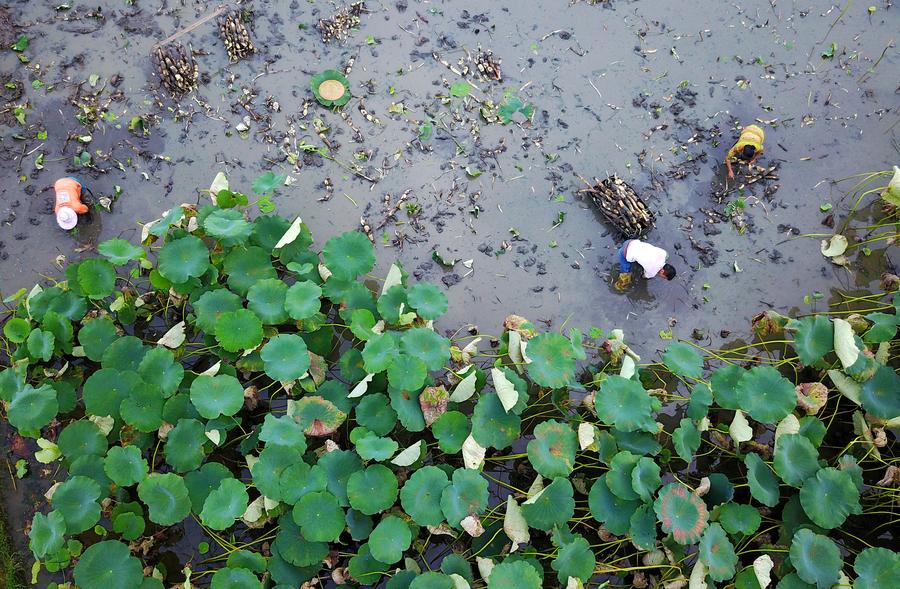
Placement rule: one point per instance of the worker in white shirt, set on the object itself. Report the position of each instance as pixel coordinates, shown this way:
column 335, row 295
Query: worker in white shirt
column 651, row 258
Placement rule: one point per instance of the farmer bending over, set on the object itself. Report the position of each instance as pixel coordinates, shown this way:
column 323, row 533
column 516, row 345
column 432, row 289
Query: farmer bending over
column 651, row 258
column 748, row 147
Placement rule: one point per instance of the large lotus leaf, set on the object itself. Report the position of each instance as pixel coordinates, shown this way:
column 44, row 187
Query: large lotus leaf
column 766, row 395
column 40, row 345
column 451, row 429
column 126, row 353
column 228, row 226
column 625, row 404
column 245, row 559
column 683, row 360
column 239, row 330
column 426, row 298
column 130, row 525
column 645, row 479
column 433, row 581
column 879, row 394
column 492, row 425
column 390, row 538
column 552, row 451
column 817, row 558
column 554, row 506
column 320, row 517
column 686, row 440
column 125, row 466
column 884, row 327
column 361, row 323
column 552, row 360
column 90, row 466
column 16, row 329
column 574, row 559
column 299, row 479
column 720, row 490
column 81, row 438
column 348, row 255
column 96, row 335
column 217, row 395
column 159, row 368
column 829, row 497
column 285, row 357
column 717, row 553
column 212, row 304
column 392, row 301
column 119, row 251
column 763, row 483
column 302, row 300
column 375, row 413
column 183, row 258
column 379, row 353
column 317, row 416
column 184, row 445
column 466, row 495
column 813, row 338
column 407, row 373
column 642, row 527
column 143, row 407
column 455, row 564
column 359, row 524
column 339, row 466
column 108, row 564
column 875, row 568
column 246, row 267
column 294, row 548
column 272, row 467
column 282, row 431
column 681, row 513
column 234, row 578
column 738, row 518
column 372, row 447
column 266, row 298
column 105, row 389
column 97, row 278
column 372, row 490
column 48, row 533
column 724, row 384
column 796, row 459
column 408, row 407
column 166, row 497
column 426, row 345
column 76, row 499
column 518, row 574
column 224, row 504
column 421, row 495
column 202, row 481
column 32, row 408
column 610, row 509
column 60, row 328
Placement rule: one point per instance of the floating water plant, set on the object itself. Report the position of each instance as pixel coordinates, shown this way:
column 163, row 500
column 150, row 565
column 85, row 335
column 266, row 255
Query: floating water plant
column 330, row 88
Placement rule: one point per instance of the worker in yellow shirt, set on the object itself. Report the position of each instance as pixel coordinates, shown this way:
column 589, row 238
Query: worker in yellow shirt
column 748, row 147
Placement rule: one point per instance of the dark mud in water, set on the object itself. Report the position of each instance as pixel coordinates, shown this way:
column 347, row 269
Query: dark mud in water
column 651, row 91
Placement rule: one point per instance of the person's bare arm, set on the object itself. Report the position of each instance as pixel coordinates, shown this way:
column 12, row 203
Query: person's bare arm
column 730, row 171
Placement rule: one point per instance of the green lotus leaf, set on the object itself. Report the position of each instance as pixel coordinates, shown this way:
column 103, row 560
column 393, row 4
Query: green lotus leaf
column 796, row 459
column 217, row 395
column 408, row 405
column 407, row 373
column 202, row 481
column 97, row 278
column 619, row 478
column 518, row 574
column 166, row 497
column 32, row 408
column 379, row 353
column 454, row 563
column 426, row 345
column 390, row 303
column 717, row 552
column 108, row 564
column 76, row 499
column 738, row 518
column 320, row 517
column 81, row 438
column 282, row 431
column 686, row 440
column 681, row 513
column 875, row 568
column 372, row 447
column 421, row 495
column 272, row 467
column 372, row 490
column 234, row 578
column 160, row 369
column 433, row 581
column 228, row 226
column 212, row 304
column 766, row 395
column 317, row 416
column 302, row 300
column 624, row 404
column 812, row 429
column 294, row 548
column 390, row 538
column 183, row 258
column 299, row 479
column 552, row 360
column 879, row 394
column 884, row 327
column 359, row 524
column 330, row 88
column 492, row 425
column 829, row 497
column 126, row 353
column 96, row 335
column 239, row 330
column 428, row 300
column 105, row 389
column 61, row 329
column 245, row 267
column 119, row 251
column 245, row 559
column 813, row 338
column 763, row 483
column 124, row 465
column 817, row 558
column 361, row 323
column 642, row 527
column 129, row 525
column 466, row 495
column 610, row 509
column 575, row 559
column 451, row 429
column 40, row 345
column 90, row 466
column 724, row 384
column 143, row 407
column 184, row 445
column 285, row 357
column 16, row 329
column 554, row 506
column 720, row 490
column 683, row 360
column 792, row 581
column 645, row 479
column 375, row 413
column 349, row 255
column 48, row 533
column 402, row 580
column 266, row 298
column 339, row 466
column 552, row 451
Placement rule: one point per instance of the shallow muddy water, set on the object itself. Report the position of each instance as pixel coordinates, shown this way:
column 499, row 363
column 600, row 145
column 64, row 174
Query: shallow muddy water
column 652, row 91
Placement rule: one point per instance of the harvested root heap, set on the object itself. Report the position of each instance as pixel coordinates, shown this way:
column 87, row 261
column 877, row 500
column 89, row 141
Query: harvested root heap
column 621, row 205
column 235, row 36
column 341, row 22
column 488, row 65
column 483, row 64
column 177, row 68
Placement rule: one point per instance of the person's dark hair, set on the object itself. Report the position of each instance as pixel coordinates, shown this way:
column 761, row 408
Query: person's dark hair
column 748, row 152
column 669, row 271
